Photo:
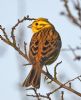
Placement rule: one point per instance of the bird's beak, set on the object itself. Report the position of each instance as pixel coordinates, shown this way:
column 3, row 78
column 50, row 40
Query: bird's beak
column 29, row 26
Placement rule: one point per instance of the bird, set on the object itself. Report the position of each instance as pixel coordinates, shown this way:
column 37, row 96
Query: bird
column 44, row 49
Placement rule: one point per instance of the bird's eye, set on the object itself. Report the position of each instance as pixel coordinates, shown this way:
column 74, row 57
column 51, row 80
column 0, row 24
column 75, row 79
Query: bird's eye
column 36, row 24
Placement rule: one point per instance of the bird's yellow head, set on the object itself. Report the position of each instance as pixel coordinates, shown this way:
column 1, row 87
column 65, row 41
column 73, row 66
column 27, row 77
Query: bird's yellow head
column 40, row 24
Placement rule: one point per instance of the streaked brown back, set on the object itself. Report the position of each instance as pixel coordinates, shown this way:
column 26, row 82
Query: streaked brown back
column 44, row 45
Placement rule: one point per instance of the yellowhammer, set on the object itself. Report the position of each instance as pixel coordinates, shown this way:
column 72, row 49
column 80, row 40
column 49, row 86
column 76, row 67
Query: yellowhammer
column 44, row 49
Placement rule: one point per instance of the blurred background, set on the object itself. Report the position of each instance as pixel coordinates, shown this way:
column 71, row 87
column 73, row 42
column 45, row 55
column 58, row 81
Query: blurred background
column 12, row 71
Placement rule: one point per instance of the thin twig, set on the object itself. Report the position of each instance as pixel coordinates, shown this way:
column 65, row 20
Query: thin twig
column 77, row 57
column 18, row 22
column 55, row 70
column 64, row 85
column 26, row 64
column 3, row 30
column 38, row 95
column 69, row 14
column 15, row 47
column 61, row 85
column 74, row 49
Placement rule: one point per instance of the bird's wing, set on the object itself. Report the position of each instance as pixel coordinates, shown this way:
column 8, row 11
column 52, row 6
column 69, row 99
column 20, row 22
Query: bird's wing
column 33, row 49
column 47, row 43
column 51, row 47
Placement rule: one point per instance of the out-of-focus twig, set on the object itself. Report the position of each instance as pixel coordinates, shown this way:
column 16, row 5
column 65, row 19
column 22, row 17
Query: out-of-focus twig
column 69, row 14
column 73, row 50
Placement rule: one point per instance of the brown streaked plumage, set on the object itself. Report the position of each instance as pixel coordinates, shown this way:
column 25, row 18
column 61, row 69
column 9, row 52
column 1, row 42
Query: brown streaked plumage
column 44, row 49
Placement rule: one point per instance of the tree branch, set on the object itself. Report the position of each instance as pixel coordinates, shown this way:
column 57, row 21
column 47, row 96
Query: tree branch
column 76, row 21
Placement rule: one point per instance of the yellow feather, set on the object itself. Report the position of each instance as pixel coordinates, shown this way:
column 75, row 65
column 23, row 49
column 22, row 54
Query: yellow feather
column 40, row 24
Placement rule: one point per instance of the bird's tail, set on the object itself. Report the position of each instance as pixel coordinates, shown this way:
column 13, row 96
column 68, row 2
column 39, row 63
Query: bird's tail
column 34, row 76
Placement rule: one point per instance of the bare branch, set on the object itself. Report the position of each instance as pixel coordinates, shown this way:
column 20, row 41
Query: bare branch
column 5, row 35
column 38, row 95
column 77, row 57
column 19, row 22
column 55, row 72
column 76, row 21
column 74, row 49
column 15, row 47
column 61, row 85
